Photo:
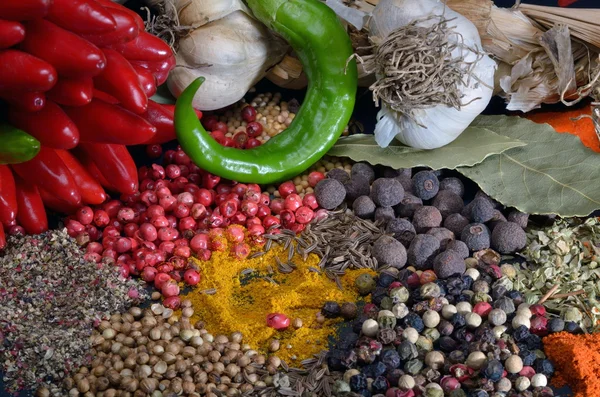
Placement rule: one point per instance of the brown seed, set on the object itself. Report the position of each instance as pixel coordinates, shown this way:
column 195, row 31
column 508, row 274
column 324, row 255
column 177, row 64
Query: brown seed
column 99, row 370
column 173, row 348
column 274, row 345
column 42, row 392
column 129, row 384
column 297, row 323
column 83, row 385
column 102, row 383
column 188, row 352
column 113, row 376
column 274, row 361
column 214, row 356
column 237, row 337
column 160, row 367
column 188, row 388
column 169, row 358
column 73, row 393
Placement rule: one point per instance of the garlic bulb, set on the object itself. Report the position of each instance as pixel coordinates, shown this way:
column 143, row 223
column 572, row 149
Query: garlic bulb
column 228, row 47
column 438, row 125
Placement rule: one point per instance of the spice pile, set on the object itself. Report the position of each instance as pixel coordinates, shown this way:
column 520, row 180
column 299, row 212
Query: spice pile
column 49, row 299
column 239, row 295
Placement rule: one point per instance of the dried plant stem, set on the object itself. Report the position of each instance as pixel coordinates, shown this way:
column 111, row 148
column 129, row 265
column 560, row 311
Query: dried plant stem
column 416, row 67
column 566, row 295
column 548, row 294
column 165, row 24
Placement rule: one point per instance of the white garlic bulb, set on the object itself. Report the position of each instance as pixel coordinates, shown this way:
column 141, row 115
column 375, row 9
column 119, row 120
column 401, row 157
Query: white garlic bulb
column 229, row 47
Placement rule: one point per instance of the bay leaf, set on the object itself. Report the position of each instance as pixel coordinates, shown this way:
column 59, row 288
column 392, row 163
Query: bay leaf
column 472, row 146
column 553, row 174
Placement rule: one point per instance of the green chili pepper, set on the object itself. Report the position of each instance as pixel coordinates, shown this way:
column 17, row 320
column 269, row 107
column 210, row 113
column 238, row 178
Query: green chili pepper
column 323, row 46
column 16, row 146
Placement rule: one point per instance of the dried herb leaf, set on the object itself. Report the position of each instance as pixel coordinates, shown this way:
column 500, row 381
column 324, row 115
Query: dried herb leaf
column 473, row 146
column 553, row 174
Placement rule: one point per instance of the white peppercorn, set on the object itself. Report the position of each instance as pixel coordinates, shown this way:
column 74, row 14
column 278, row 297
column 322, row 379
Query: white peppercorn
column 370, row 328
column 499, row 330
column 497, row 317
column 513, row 364
column 539, row 380
column 464, row 308
column 400, row 310
column 349, row 374
column 520, row 320
column 522, row 383
column 431, row 319
column 524, row 311
column 410, row 334
column 434, row 359
column 473, row 273
column 503, row 385
column 448, row 311
column 406, row 382
column 476, row 360
column 473, row 320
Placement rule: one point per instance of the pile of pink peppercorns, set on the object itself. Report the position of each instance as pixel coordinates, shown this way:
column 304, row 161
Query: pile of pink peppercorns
column 182, row 211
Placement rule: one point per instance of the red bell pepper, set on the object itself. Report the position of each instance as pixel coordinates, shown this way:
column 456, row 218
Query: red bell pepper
column 104, row 97
column 81, row 16
column 145, row 47
column 31, row 215
column 22, row 10
column 111, row 5
column 55, row 204
column 25, row 100
column 71, row 55
column 91, row 190
column 11, row 33
column 2, row 238
column 160, row 69
column 115, row 163
column 120, row 80
column 49, row 172
column 8, row 197
column 126, row 30
column 147, row 80
column 101, row 122
column 72, row 92
column 163, row 119
column 51, row 126
column 25, row 72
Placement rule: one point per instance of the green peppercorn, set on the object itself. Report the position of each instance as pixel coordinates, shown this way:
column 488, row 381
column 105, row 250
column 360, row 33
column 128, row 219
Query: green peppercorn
column 400, row 294
column 413, row 366
column 386, row 303
column 386, row 319
column 365, row 284
column 430, row 290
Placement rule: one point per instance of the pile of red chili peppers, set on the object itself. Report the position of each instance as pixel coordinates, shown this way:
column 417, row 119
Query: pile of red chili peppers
column 77, row 76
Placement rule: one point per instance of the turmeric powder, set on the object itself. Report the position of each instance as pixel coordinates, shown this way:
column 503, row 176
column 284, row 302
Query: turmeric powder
column 569, row 121
column 577, row 362
column 247, row 290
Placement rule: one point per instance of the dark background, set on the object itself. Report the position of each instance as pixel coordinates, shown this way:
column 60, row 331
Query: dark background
column 365, row 104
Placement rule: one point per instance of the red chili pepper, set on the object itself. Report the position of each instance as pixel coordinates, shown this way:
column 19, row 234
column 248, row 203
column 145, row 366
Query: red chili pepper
column 91, row 190
column 147, row 80
column 81, row 16
column 566, row 3
column 115, row 163
column 126, row 30
column 172, row 109
column 160, row 69
column 72, row 92
column 71, row 55
column 120, row 80
column 104, row 97
column 102, row 122
column 51, row 126
column 2, row 238
column 145, row 47
column 55, row 204
column 25, row 100
column 93, row 170
column 163, row 119
column 115, row 6
column 11, row 33
column 25, row 72
column 22, row 10
column 31, row 215
column 49, row 172
column 8, row 197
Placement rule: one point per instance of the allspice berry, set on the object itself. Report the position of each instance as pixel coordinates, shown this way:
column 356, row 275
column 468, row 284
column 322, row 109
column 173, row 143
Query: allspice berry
column 349, row 310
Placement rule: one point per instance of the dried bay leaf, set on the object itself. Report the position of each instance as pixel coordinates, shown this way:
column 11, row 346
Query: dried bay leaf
column 553, row 174
column 474, row 145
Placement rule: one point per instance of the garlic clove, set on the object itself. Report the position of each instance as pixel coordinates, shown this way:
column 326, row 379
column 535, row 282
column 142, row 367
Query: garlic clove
column 201, row 12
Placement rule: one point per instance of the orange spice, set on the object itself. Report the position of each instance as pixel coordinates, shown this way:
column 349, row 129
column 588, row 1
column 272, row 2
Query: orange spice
column 577, row 362
column 564, row 122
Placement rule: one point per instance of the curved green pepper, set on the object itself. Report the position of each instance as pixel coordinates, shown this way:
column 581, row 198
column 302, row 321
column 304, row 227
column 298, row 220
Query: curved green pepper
column 323, row 46
column 16, row 146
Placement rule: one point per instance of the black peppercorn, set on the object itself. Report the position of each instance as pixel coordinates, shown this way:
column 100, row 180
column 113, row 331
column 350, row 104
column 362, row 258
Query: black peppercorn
column 378, row 294
column 348, row 310
column 516, row 297
column 358, row 322
column 458, row 320
column 572, row 327
column 331, row 309
column 462, row 298
column 445, row 328
column 556, row 325
column 505, row 304
column 374, row 370
column 348, row 341
column 498, row 291
column 455, row 285
column 413, row 320
column 358, row 382
column 457, row 356
column 386, row 336
column 446, row 344
column 390, row 358
column 380, row 385
column 543, row 392
column 393, row 376
column 467, row 281
column 335, row 358
column 527, row 356
column 407, row 351
column 385, row 279
column 492, row 370
column 413, row 366
column 543, row 366
column 350, row 358
column 534, row 342
column 521, row 333
column 457, row 393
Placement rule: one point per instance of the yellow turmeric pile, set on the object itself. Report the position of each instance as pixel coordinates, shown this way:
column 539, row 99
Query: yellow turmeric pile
column 577, row 362
column 243, row 299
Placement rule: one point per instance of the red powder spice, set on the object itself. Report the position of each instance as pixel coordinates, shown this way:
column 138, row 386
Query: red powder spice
column 577, row 362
